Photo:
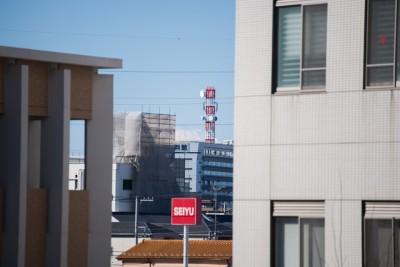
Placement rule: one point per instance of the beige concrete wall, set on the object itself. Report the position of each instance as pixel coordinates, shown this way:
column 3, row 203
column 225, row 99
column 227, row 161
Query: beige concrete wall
column 38, row 87
column 81, row 91
column 36, row 225
column 78, row 228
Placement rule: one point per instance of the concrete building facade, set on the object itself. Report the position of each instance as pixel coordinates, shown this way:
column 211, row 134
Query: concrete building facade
column 44, row 224
column 317, row 131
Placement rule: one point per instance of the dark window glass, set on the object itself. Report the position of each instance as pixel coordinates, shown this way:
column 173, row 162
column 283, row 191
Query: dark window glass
column 127, row 184
column 382, row 242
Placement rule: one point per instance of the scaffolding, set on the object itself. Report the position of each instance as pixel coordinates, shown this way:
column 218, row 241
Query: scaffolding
column 147, row 142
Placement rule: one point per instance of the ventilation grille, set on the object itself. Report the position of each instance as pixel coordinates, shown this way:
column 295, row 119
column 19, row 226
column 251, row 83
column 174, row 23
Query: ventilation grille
column 382, row 210
column 299, row 209
column 298, row 2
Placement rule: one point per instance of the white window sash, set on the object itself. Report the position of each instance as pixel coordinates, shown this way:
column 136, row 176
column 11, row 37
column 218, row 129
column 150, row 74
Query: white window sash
column 382, row 210
column 299, row 2
column 299, row 209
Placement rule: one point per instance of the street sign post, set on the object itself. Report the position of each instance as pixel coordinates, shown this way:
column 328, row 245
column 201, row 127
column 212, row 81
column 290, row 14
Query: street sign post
column 186, row 211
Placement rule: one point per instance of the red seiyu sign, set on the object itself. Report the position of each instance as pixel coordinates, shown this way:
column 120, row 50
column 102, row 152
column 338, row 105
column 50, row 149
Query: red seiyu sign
column 186, row 211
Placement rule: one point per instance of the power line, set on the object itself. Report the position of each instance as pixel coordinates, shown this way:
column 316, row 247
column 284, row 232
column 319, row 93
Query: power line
column 199, row 124
column 180, row 124
column 121, row 36
column 166, row 98
column 172, row 71
column 167, row 104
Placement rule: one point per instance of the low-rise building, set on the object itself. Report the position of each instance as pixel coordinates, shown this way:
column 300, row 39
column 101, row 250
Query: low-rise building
column 168, row 253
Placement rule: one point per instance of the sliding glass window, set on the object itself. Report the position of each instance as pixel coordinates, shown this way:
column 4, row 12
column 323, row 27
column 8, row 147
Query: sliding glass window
column 383, row 55
column 299, row 230
column 382, row 234
column 302, row 36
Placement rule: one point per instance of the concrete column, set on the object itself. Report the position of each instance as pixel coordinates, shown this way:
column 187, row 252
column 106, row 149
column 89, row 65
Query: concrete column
column 99, row 170
column 13, row 164
column 34, row 154
column 54, row 166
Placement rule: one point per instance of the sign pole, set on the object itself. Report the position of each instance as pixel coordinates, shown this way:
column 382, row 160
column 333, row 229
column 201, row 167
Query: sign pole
column 185, row 211
column 136, row 220
column 185, row 246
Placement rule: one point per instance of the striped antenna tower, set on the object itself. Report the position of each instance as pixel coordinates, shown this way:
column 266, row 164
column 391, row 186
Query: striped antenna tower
column 210, row 107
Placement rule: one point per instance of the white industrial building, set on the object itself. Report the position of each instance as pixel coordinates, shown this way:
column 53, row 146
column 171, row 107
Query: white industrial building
column 317, row 131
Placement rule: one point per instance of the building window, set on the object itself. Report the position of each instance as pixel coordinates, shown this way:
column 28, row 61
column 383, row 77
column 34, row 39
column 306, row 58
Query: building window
column 382, row 234
column 383, row 58
column 127, row 184
column 299, row 229
column 301, row 46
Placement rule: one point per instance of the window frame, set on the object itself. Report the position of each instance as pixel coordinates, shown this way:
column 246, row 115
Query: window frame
column 301, row 210
column 302, row 4
column 395, row 84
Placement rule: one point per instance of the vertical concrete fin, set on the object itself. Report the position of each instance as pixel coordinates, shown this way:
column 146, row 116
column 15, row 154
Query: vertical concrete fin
column 54, row 166
column 99, row 170
column 13, row 163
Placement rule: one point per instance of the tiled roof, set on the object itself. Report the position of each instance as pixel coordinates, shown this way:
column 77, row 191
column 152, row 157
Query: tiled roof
column 172, row 250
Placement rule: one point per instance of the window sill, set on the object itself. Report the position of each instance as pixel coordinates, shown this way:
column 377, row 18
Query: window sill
column 301, row 92
column 388, row 88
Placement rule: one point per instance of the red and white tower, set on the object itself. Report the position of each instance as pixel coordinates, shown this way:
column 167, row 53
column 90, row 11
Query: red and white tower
column 210, row 107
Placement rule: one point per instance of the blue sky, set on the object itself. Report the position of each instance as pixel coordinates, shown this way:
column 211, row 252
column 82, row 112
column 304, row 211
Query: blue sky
column 171, row 49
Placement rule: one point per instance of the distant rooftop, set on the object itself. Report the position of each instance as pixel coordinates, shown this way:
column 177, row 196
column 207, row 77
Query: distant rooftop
column 200, row 251
column 55, row 57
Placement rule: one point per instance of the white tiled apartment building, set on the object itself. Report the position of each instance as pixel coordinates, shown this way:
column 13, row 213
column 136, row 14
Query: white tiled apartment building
column 317, row 133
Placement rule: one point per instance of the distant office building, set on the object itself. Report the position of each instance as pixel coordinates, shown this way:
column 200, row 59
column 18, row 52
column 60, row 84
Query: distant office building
column 206, row 168
column 42, row 222
column 143, row 157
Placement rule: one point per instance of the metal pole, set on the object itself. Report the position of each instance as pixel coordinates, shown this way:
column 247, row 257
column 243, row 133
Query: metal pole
column 215, row 214
column 185, row 246
column 136, row 219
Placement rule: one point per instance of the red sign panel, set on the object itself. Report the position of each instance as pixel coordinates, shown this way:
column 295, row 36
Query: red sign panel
column 186, row 211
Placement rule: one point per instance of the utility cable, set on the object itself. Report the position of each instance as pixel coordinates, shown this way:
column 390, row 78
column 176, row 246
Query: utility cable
column 174, row 38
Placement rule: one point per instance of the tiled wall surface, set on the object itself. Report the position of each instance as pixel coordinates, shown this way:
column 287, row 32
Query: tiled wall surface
column 340, row 146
